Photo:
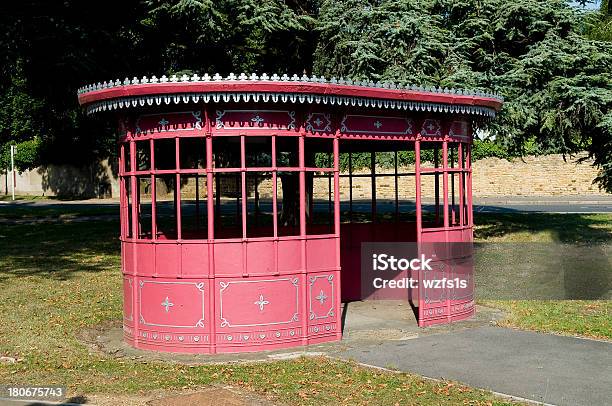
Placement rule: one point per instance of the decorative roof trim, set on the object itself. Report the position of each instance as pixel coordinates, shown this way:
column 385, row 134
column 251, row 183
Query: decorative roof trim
column 295, row 89
column 178, row 98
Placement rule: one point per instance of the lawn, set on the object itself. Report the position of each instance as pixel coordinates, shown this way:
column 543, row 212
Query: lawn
column 59, row 278
column 574, row 248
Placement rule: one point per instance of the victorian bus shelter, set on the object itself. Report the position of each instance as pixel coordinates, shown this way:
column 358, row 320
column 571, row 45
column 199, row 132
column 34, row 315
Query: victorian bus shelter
column 236, row 234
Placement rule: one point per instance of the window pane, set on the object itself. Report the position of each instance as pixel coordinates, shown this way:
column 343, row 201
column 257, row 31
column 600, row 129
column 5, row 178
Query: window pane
column 226, row 152
column 258, row 152
column 165, row 206
column 320, row 211
column 319, row 152
column 127, row 157
column 143, row 155
column 193, row 153
column 165, row 153
column 259, row 205
column 288, row 203
column 194, row 209
column 287, row 152
column 228, row 205
column 144, row 207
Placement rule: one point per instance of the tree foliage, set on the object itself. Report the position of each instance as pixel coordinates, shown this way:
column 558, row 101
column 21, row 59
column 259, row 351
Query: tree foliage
column 550, row 61
column 557, row 83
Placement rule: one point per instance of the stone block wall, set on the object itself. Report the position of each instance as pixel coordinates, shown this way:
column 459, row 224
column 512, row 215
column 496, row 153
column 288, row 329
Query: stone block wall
column 546, row 175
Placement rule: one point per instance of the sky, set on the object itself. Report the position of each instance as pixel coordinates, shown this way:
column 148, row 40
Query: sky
column 588, row 6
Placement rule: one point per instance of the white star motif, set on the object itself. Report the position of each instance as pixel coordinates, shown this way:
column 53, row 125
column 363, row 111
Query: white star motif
column 377, row 124
column 163, row 122
column 257, row 119
column 167, row 304
column 431, row 127
column 321, row 298
column 261, row 302
column 318, row 122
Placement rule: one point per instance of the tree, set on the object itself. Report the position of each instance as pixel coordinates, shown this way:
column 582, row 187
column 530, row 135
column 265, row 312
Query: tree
column 556, row 83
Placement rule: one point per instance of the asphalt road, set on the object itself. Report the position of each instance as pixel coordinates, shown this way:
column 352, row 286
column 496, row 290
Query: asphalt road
column 569, row 204
column 541, row 367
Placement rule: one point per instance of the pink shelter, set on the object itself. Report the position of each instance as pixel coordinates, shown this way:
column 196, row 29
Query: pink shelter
column 240, row 232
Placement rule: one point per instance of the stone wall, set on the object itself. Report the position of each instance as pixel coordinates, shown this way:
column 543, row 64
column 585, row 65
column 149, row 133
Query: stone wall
column 531, row 176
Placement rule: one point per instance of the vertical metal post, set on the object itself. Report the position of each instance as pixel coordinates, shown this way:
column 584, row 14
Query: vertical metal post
column 13, row 176
column 396, row 187
column 153, row 192
column 337, row 226
column 452, row 182
column 445, row 180
column 470, row 211
column 437, row 183
column 373, row 177
column 461, row 184
column 243, row 185
column 350, row 156
column 275, row 189
column 177, row 190
column 417, row 181
column 303, row 264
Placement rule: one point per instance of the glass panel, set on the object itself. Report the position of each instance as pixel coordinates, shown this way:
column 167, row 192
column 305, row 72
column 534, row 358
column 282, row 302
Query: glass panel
column 165, row 206
column 288, row 203
column 259, row 204
column 192, row 153
column 228, row 205
column 144, row 207
column 287, row 152
column 319, row 153
column 320, row 214
column 165, row 153
column 258, row 151
column 127, row 157
column 194, row 212
column 143, row 155
column 226, row 152
column 128, row 193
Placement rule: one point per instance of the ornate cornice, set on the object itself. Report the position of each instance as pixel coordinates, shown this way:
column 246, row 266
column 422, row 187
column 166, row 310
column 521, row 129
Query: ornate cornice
column 146, row 91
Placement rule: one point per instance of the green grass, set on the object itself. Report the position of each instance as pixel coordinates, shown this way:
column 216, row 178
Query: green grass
column 566, row 236
column 60, row 278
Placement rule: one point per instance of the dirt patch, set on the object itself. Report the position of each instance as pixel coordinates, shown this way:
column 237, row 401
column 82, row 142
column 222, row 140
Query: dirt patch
column 208, row 396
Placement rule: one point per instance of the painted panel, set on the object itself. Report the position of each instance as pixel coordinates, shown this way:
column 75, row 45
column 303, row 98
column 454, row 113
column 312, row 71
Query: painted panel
column 144, row 258
column 194, row 260
column 172, row 304
column 360, row 124
column 431, row 128
column 260, row 257
column 228, row 258
column 255, row 119
column 289, row 255
column 167, row 260
column 128, row 308
column 318, row 122
column 320, row 254
column 257, row 303
column 177, row 121
column 321, row 297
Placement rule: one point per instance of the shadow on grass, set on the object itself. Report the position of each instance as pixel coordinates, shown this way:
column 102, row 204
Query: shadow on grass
column 570, row 261
column 58, row 250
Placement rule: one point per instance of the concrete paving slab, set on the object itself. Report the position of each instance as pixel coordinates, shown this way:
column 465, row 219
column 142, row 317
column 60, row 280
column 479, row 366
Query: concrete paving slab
column 541, row 367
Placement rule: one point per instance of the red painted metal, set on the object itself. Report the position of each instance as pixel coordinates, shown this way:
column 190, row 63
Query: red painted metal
column 259, row 288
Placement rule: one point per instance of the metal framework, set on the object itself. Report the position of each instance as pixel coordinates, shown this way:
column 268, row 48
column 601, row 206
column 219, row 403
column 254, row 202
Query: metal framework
column 229, row 243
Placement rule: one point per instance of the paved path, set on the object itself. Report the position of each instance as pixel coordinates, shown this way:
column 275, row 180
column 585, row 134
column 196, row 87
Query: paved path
column 541, row 367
